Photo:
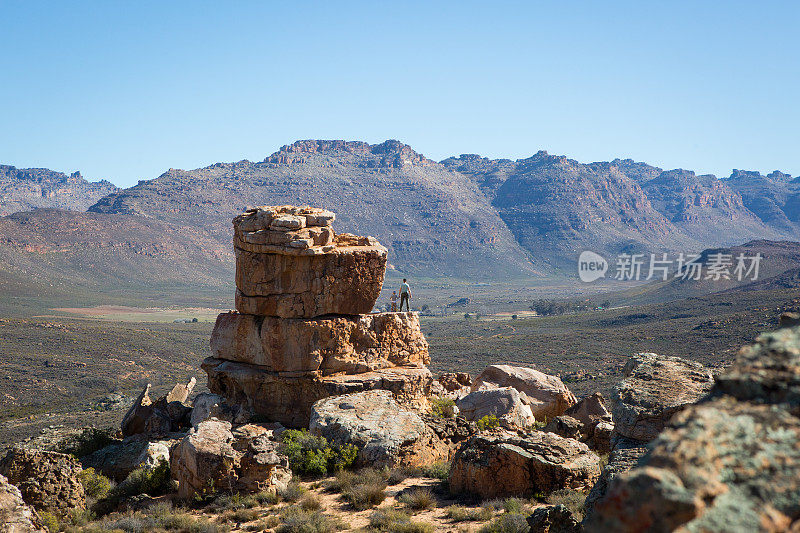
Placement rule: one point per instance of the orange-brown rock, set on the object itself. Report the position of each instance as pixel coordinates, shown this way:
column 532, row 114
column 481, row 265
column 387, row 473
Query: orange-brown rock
column 328, row 345
column 287, row 397
column 504, row 463
column 290, row 264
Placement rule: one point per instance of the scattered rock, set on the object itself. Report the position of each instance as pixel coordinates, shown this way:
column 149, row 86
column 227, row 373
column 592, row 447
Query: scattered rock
column 211, row 459
column 553, row 519
column 48, row 481
column 505, row 403
column 565, row 426
column 385, row 433
column 653, row 389
column 328, row 345
column 546, row 395
column 15, row 515
column 160, row 417
column 503, row 463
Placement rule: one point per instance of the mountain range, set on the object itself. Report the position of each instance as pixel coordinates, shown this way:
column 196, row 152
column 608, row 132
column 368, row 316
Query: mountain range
column 466, row 216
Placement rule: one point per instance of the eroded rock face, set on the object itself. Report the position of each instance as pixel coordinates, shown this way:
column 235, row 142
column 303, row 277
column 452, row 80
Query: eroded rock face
column 161, row 417
column 729, row 463
column 210, row 458
column 290, row 264
column 48, row 481
column 505, row 403
column 546, row 395
column 15, row 515
column 385, row 433
column 503, row 463
column 329, row 345
column 654, row 388
column 288, row 399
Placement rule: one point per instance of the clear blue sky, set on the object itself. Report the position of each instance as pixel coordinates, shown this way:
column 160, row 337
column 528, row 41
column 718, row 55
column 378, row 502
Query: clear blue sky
column 126, row 90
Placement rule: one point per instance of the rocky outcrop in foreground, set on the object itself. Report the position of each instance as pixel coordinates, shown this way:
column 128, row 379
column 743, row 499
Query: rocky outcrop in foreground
column 302, row 332
column 48, row 481
column 15, row 515
column 503, row 463
column 729, row 463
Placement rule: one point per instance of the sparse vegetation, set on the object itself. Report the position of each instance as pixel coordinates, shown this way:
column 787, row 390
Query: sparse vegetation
column 457, row 513
column 314, row 456
column 297, row 520
column 95, row 484
column 311, row 502
column 417, row 499
column 487, row 422
column 569, row 498
column 439, row 470
column 507, row 523
column 293, row 492
column 443, row 407
column 86, row 442
column 395, row 521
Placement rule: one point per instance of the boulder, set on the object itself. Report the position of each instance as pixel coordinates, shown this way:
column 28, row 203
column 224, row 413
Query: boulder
column 384, row 432
column 288, row 399
column 565, row 426
column 600, row 437
column 116, row 461
column 453, row 381
column 653, row 389
column 504, row 403
column 625, row 454
column 15, row 515
column 328, row 345
column 590, row 409
column 48, row 481
column 789, row 320
column 502, row 463
column 731, row 462
column 290, row 264
column 553, row 519
column 208, row 405
column 210, row 458
column 165, row 415
column 546, row 395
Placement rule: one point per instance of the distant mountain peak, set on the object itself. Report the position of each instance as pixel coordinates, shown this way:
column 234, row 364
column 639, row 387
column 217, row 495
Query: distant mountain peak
column 390, row 153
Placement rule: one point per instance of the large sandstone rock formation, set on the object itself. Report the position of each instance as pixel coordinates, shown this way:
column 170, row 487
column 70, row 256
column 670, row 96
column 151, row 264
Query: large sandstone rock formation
column 302, row 331
column 212, row 458
column 48, row 481
column 503, row 463
column 15, row 515
column 289, row 263
column 504, row 403
column 327, row 345
column 729, row 463
column 167, row 414
column 384, row 432
column 546, row 395
column 288, row 399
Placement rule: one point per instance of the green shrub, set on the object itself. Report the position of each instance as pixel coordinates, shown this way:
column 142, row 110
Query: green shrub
column 439, row 470
column 507, row 523
column 314, row 456
column 242, row 516
column 88, row 441
column 487, row 422
column 95, row 484
column 397, row 475
column 296, row 520
column 364, row 496
column 456, row 513
column 293, row 492
column 267, row 497
column 513, row 505
column 159, row 517
column 418, row 499
column 50, row 521
column 443, row 407
column 571, row 499
column 152, row 481
column 394, row 521
column 311, row 502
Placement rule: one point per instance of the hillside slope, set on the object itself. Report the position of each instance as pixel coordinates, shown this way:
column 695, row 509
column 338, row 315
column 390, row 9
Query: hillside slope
column 23, row 189
column 434, row 221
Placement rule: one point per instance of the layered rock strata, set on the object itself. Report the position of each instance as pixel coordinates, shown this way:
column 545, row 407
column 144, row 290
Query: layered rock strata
column 303, row 329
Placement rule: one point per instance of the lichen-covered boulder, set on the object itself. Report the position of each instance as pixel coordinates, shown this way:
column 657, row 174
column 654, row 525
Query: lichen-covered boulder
column 503, row 463
column 15, row 515
column 48, row 481
column 290, row 264
column 212, row 458
column 384, row 432
column 328, row 345
column 546, row 395
column 654, row 388
column 505, row 404
column 729, row 463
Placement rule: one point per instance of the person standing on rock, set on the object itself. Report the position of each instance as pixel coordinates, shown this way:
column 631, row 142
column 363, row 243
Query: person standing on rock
column 405, row 295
